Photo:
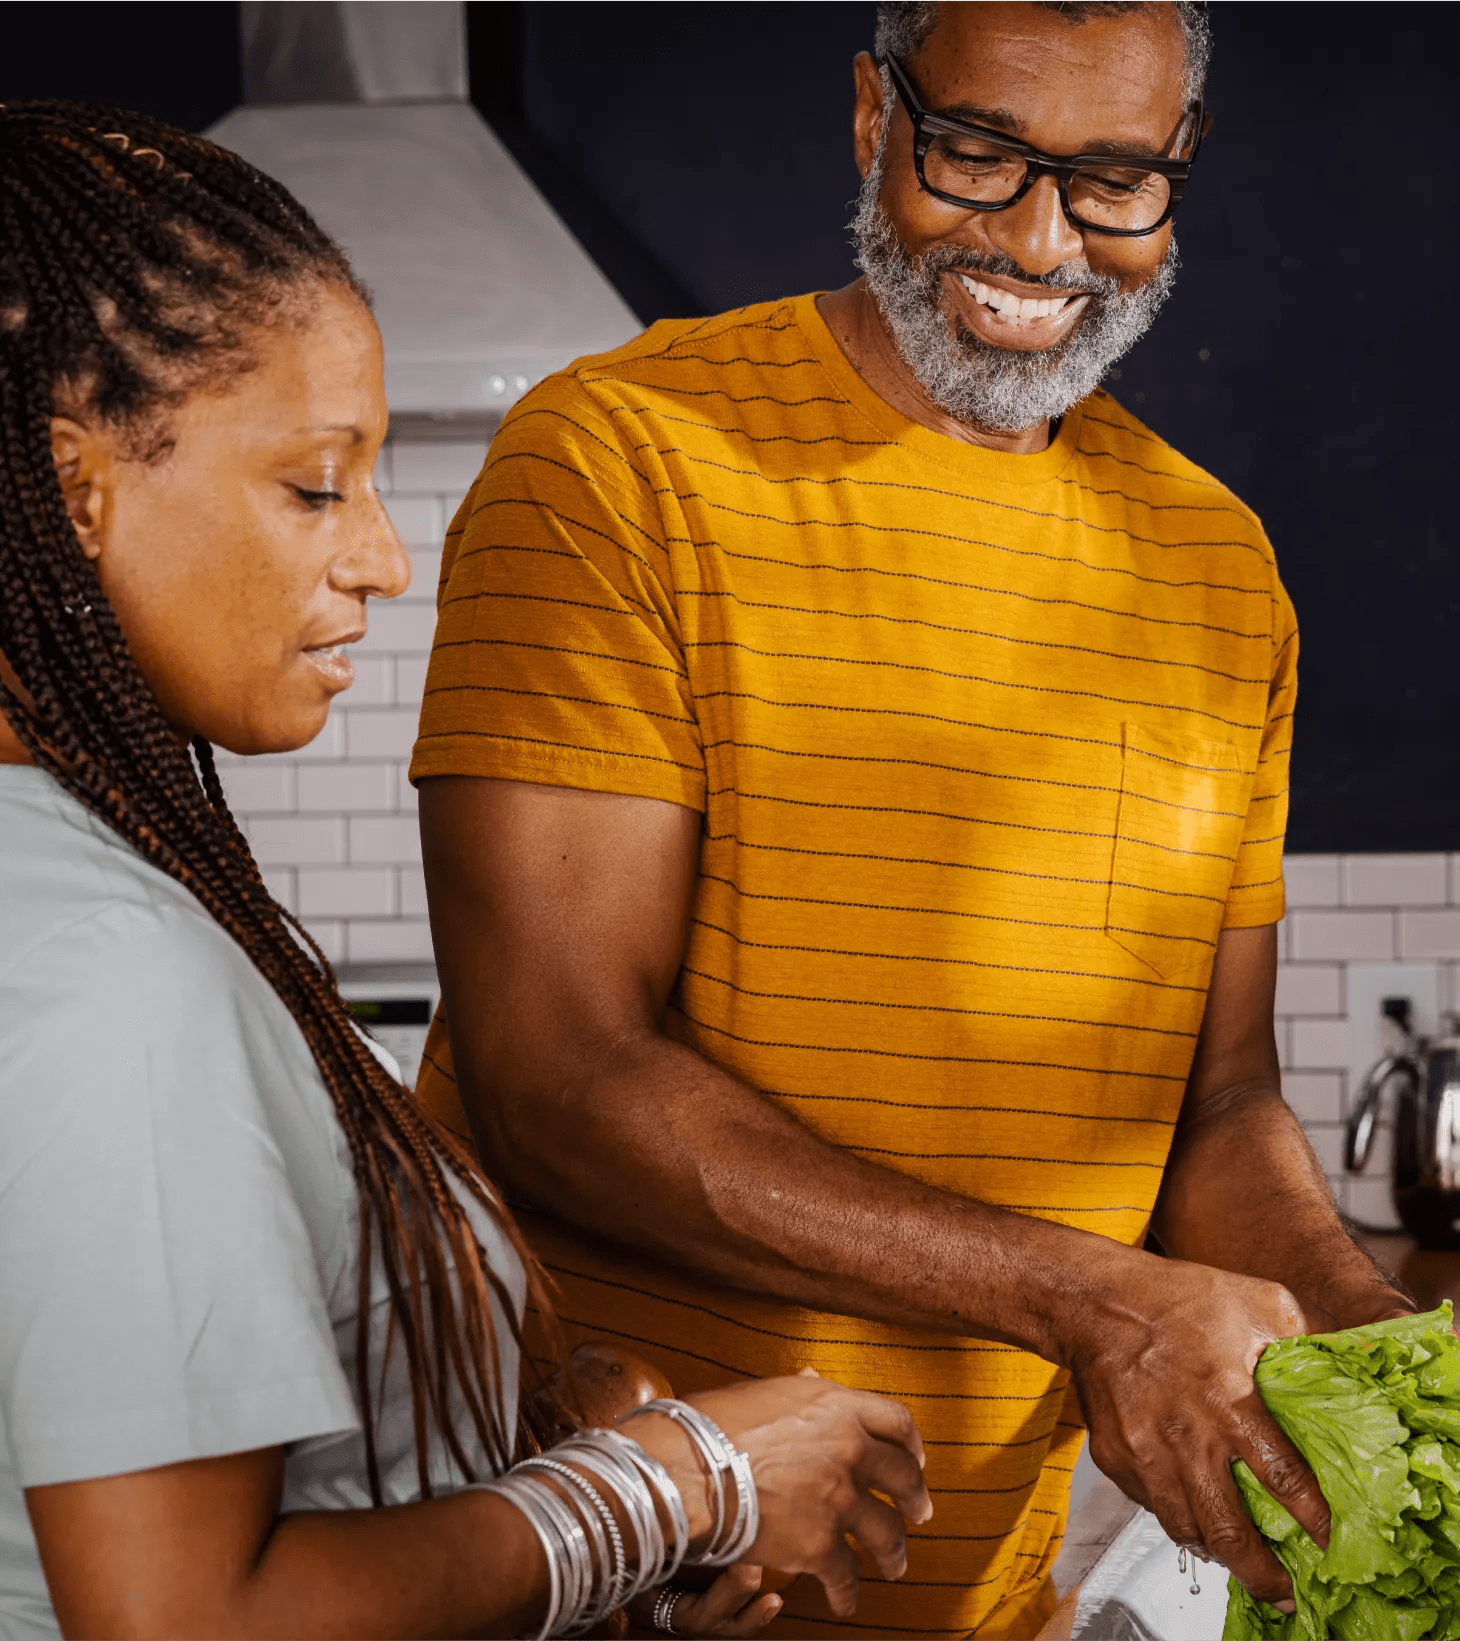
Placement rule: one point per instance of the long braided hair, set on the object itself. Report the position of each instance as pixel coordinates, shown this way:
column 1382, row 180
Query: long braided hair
column 135, row 261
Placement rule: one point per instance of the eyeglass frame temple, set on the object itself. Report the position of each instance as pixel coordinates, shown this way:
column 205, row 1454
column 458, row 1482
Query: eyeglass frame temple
column 1039, row 164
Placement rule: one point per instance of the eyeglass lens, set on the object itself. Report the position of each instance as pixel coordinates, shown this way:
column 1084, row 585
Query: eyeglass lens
column 983, row 173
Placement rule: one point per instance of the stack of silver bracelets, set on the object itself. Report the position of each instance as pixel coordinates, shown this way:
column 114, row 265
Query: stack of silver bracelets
column 590, row 1569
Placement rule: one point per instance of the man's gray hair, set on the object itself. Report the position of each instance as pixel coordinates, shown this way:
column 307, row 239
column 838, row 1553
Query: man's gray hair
column 903, row 26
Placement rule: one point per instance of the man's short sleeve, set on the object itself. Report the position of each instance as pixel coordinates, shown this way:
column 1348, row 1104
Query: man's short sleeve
column 1256, row 896
column 558, row 656
column 160, row 1289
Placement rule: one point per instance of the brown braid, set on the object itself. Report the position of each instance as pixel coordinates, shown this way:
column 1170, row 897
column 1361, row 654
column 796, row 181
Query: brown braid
column 134, row 262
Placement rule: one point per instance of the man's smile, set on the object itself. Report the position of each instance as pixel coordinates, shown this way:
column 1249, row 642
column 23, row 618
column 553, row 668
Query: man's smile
column 1005, row 315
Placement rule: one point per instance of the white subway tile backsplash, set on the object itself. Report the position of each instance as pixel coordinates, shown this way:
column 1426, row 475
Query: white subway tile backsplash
column 347, row 891
column 400, row 628
column 407, row 798
column 447, row 465
column 382, row 734
column 331, row 936
column 1311, row 880
column 258, row 788
column 410, row 680
column 394, row 940
column 1394, row 880
column 425, row 574
column 348, row 788
column 1340, row 934
column 1310, row 988
column 384, row 839
column 1315, row 1096
column 374, row 684
column 1319, row 1044
column 1429, row 934
column 418, row 520
column 279, row 881
column 297, row 840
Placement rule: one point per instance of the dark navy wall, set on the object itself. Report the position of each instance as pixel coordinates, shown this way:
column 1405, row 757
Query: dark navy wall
column 702, row 153
column 176, row 60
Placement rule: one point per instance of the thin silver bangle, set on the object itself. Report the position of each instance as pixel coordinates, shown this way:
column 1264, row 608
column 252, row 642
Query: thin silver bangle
column 620, row 1578
column 727, row 1543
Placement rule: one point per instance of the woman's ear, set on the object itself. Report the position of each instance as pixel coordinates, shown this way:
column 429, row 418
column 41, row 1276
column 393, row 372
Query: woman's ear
column 86, row 466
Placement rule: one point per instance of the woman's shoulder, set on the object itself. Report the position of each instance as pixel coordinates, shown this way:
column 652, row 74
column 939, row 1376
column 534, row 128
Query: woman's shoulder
column 80, row 905
column 110, row 963
column 74, row 893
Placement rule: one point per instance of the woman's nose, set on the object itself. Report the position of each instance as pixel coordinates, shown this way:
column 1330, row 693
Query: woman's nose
column 375, row 563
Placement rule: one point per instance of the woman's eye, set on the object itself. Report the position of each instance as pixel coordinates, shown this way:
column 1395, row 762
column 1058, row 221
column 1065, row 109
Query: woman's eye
column 316, row 498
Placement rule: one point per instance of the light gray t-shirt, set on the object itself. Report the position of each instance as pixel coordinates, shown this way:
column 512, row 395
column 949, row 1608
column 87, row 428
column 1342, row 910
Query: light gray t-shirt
column 178, row 1215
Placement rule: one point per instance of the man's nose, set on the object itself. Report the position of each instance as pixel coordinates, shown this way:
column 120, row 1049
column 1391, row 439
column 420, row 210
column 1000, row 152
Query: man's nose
column 1036, row 232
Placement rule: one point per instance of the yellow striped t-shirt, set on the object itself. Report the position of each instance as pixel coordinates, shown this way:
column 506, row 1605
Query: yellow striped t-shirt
column 989, row 749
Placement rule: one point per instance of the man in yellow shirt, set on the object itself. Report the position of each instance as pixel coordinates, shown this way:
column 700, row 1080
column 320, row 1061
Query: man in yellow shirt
column 853, row 780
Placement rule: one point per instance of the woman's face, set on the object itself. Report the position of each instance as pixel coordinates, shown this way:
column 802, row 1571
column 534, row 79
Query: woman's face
column 239, row 563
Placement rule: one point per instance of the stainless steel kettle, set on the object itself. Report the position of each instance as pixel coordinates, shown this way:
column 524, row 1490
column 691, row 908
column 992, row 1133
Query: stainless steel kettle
column 1426, row 1078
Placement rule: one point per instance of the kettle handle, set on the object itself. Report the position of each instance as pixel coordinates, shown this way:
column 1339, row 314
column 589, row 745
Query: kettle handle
column 1360, row 1137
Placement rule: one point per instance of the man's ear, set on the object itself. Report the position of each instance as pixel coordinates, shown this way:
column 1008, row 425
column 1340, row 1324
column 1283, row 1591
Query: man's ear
column 867, row 115
column 86, row 467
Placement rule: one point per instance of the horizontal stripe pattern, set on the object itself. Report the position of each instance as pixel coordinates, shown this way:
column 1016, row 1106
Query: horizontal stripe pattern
column 990, row 750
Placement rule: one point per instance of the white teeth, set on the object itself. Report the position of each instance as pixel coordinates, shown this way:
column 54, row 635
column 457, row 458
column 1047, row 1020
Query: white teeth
column 332, row 652
column 1010, row 308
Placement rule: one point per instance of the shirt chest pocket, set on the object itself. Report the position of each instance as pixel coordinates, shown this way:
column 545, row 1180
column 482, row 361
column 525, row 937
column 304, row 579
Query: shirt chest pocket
column 1183, row 805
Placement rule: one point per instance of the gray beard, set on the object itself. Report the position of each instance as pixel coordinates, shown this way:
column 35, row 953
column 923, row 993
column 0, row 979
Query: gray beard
column 1002, row 389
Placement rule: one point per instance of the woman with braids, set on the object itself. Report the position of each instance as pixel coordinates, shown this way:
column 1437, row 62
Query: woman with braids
column 259, row 1319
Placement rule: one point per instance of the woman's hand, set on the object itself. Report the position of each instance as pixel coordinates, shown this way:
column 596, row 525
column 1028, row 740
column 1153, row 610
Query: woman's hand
column 731, row 1605
column 817, row 1452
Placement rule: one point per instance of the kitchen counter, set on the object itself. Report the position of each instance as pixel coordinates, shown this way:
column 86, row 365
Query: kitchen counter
column 1430, row 1277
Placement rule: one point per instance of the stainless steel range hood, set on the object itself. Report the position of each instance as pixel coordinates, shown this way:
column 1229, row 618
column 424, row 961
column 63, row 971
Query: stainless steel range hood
column 359, row 107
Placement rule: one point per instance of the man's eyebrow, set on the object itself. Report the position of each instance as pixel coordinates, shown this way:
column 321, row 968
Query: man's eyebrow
column 1001, row 119
column 978, row 114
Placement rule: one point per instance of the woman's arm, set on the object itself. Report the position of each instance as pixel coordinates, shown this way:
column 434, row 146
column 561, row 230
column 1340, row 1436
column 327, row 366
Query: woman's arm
column 195, row 1549
column 199, row 1550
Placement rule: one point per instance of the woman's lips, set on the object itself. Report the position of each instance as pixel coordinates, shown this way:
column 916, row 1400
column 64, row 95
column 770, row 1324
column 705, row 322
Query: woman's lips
column 333, row 665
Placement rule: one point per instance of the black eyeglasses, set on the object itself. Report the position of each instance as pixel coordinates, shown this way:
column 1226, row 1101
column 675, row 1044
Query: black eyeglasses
column 981, row 169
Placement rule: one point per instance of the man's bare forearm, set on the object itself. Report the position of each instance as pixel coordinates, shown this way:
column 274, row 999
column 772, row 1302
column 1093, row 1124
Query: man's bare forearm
column 711, row 1176
column 1244, row 1192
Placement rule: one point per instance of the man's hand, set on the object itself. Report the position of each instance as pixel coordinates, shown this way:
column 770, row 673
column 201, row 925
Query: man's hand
column 1168, row 1390
column 1168, row 1395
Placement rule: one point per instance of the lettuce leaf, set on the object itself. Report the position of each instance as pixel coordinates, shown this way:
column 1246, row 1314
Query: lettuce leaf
column 1376, row 1412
